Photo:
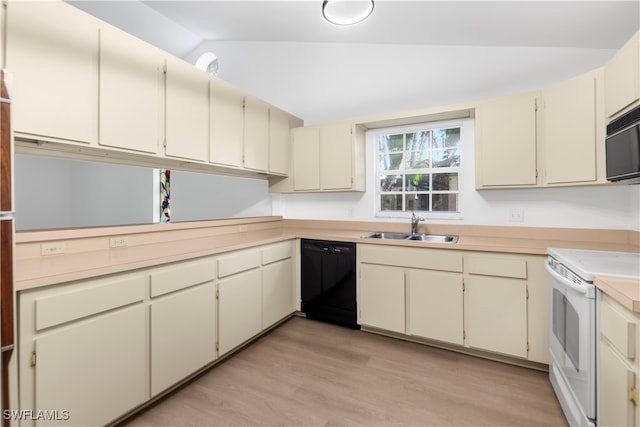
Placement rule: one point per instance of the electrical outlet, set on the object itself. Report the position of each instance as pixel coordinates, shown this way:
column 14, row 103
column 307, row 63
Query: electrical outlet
column 516, row 215
column 118, row 242
column 51, row 249
column 243, row 228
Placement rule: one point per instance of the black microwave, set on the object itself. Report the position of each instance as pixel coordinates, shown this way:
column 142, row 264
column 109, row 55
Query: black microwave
column 622, row 148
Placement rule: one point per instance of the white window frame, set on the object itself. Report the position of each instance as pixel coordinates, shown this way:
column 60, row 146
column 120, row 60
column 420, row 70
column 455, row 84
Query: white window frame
column 376, row 133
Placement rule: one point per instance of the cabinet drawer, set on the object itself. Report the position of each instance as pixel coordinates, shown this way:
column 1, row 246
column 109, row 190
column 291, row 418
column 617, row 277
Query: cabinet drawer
column 182, row 275
column 619, row 328
column 239, row 261
column 499, row 267
column 96, row 297
column 425, row 258
column 277, row 252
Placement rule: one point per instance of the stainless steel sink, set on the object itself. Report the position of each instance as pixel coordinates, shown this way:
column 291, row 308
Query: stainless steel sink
column 427, row 238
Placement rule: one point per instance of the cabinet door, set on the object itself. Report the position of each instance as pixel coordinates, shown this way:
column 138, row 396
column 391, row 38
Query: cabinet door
column 52, row 55
column 506, row 142
column 130, row 92
column 183, row 335
column 435, row 306
column 306, row 155
column 256, row 134
column 278, row 141
column 336, row 148
column 227, row 124
column 497, row 315
column 569, row 136
column 381, row 297
column 277, row 292
column 615, row 380
column 89, row 369
column 622, row 77
column 187, row 111
column 239, row 309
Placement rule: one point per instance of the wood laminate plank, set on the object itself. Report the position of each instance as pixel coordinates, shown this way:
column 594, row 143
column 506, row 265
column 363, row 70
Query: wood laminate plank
column 308, row 373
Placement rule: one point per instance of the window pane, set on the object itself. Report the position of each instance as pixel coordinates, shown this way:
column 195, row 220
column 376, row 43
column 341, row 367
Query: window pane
column 445, row 181
column 445, row 202
column 446, row 158
column 417, row 182
column 391, row 183
column 417, row 202
column 443, row 138
column 417, row 159
column 391, row 202
column 390, row 161
column 390, row 143
column 418, row 141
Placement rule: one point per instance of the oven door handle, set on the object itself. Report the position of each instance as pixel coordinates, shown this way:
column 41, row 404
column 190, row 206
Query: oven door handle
column 568, row 283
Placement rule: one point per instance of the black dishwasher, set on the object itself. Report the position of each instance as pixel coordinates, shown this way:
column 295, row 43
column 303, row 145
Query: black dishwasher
column 328, row 281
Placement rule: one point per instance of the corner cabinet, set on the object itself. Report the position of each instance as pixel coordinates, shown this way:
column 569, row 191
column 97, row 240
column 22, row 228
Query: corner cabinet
column 622, row 78
column 618, row 365
column 496, row 303
column 326, row 158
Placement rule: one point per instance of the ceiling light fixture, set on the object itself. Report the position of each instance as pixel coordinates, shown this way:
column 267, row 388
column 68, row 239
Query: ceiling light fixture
column 346, row 12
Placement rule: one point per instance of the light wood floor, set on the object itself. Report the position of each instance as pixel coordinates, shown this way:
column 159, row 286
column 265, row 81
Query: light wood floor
column 308, row 373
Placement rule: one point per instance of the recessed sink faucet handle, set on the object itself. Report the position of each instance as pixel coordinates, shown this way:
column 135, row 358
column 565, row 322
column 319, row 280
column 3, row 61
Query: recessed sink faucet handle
column 414, row 222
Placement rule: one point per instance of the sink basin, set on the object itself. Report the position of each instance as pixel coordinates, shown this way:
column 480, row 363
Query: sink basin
column 393, row 236
column 427, row 238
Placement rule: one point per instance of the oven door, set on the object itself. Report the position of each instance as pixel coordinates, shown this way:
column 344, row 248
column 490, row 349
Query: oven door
column 572, row 347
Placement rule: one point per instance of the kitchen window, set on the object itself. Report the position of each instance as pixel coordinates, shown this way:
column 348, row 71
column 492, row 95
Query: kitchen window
column 418, row 169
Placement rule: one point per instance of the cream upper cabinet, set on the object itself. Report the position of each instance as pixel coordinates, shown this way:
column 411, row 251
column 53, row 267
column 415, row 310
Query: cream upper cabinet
column 256, row 134
column 618, row 365
column 227, row 124
column 328, row 157
column 279, row 147
column 52, row 64
column 573, row 130
column 131, row 86
column 187, row 111
column 306, row 155
column 622, row 78
column 506, row 153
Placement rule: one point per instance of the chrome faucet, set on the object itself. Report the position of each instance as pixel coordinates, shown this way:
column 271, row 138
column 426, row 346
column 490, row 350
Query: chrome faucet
column 414, row 222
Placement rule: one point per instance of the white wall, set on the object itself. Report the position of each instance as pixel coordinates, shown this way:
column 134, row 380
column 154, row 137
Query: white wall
column 605, row 207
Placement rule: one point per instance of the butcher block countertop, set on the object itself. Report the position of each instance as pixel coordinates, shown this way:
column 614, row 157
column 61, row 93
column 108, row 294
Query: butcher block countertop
column 87, row 252
column 625, row 291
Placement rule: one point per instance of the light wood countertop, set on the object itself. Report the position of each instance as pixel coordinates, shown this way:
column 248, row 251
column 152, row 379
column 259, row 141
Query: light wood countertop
column 87, row 252
column 624, row 291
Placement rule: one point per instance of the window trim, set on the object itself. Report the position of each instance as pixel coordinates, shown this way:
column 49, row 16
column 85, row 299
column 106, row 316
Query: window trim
column 374, row 134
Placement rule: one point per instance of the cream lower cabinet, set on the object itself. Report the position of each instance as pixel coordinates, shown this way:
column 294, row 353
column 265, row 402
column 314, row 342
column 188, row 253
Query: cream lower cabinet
column 439, row 318
column 182, row 315
column 381, row 297
column 486, row 301
column 618, row 365
column 83, row 350
column 239, row 298
column 277, row 282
